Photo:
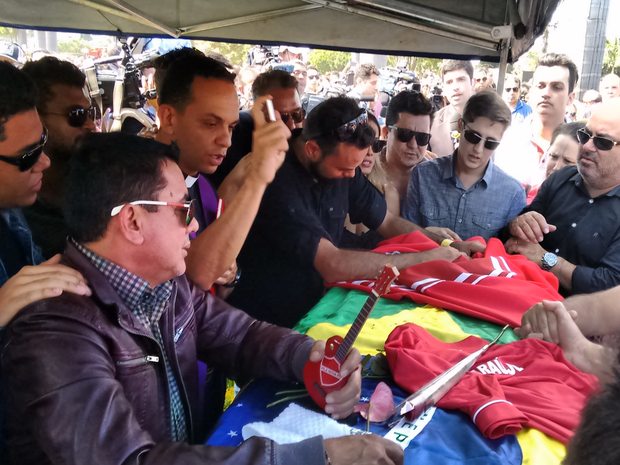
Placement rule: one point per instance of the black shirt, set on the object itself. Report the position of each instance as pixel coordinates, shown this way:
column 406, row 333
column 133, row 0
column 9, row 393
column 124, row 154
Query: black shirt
column 588, row 230
column 279, row 283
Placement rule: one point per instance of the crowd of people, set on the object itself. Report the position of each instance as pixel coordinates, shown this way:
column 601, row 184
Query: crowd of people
column 120, row 270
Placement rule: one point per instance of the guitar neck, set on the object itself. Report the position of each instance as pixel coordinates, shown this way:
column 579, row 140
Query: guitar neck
column 357, row 326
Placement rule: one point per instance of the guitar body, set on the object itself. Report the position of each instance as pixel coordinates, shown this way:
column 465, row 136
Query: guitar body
column 322, row 377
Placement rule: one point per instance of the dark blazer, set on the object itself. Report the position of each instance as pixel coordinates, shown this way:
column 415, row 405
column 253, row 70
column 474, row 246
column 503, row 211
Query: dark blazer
column 86, row 383
column 441, row 142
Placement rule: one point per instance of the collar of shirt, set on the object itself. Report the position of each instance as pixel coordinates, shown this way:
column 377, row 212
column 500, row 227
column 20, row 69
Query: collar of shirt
column 578, row 180
column 136, row 293
column 450, row 173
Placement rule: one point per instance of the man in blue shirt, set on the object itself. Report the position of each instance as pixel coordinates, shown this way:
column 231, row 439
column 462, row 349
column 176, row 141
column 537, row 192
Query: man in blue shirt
column 22, row 161
column 465, row 192
column 512, row 96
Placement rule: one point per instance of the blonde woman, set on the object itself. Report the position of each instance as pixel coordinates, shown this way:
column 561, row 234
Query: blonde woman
column 373, row 169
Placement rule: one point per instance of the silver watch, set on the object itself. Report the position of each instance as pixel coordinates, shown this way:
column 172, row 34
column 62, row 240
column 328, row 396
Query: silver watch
column 549, row 260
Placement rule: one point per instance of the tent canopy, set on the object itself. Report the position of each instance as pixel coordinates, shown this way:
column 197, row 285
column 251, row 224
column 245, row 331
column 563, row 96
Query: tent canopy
column 431, row 28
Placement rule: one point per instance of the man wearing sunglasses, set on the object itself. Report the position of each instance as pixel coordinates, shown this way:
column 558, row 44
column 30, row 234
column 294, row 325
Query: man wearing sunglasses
column 465, row 192
column 282, row 87
column 113, row 378
column 480, row 75
column 66, row 113
column 512, row 96
column 458, row 86
column 571, row 227
column 298, row 236
column 408, row 124
column 22, row 162
column 521, row 155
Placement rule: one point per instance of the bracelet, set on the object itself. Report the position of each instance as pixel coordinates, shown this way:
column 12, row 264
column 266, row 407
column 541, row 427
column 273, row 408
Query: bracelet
column 446, row 243
column 327, row 459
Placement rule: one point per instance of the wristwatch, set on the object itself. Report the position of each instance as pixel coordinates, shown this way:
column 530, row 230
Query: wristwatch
column 549, row 260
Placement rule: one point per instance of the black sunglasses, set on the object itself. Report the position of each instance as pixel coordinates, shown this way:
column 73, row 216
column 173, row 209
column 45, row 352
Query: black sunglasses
column 601, row 143
column 474, row 138
column 297, row 115
column 378, row 145
column 511, row 89
column 481, row 79
column 313, row 76
column 405, row 135
column 29, row 159
column 77, row 118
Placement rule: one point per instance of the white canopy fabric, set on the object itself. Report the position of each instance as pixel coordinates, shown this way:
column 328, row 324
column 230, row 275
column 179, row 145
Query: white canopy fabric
column 431, row 28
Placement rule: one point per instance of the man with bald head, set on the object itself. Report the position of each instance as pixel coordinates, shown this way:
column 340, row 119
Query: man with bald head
column 571, row 227
column 610, row 87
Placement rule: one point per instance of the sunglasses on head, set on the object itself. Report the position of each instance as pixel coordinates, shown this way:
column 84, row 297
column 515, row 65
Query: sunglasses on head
column 77, row 118
column 601, row 143
column 475, row 138
column 511, row 89
column 297, row 115
column 378, row 144
column 189, row 207
column 347, row 130
column 405, row 135
column 29, row 159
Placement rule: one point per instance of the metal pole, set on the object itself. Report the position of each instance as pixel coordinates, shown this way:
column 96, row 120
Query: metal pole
column 503, row 63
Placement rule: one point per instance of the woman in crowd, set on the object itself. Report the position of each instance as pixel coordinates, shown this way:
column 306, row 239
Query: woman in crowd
column 373, row 169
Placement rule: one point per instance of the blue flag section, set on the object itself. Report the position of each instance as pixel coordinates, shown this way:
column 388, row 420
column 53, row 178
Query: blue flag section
column 449, row 438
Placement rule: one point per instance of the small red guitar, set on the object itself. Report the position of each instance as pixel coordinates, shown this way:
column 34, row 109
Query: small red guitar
column 323, row 377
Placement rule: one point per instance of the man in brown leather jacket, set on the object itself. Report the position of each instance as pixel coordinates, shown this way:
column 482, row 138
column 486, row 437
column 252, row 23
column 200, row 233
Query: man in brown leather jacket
column 112, row 378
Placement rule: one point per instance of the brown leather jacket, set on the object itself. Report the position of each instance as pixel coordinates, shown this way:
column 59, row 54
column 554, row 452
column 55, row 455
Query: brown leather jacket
column 85, row 383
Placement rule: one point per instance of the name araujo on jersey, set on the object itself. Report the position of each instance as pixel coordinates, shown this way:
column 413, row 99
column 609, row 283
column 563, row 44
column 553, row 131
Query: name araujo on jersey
column 495, row 367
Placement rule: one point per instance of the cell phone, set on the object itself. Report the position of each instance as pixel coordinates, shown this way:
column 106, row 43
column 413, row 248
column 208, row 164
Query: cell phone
column 268, row 110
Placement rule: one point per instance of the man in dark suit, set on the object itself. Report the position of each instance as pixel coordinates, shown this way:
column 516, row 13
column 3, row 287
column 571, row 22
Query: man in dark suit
column 458, row 86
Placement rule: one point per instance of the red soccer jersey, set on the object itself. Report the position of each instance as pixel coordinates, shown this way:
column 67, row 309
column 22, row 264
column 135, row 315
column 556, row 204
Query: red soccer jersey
column 496, row 287
column 524, row 383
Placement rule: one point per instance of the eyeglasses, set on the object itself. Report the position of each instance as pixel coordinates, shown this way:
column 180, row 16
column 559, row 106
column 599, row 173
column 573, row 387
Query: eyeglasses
column 378, row 145
column 405, row 135
column 297, row 115
column 313, row 76
column 190, row 207
column 511, row 89
column 474, row 138
column 347, row 130
column 77, row 118
column 481, row 79
column 601, row 143
column 29, row 159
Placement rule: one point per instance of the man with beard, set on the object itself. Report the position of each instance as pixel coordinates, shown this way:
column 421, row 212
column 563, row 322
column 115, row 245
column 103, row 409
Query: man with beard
column 571, row 227
column 458, row 86
column 66, row 113
column 296, row 241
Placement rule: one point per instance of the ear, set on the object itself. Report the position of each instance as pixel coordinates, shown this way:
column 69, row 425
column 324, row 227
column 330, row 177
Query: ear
column 571, row 99
column 384, row 132
column 167, row 115
column 313, row 151
column 358, row 81
column 460, row 125
column 130, row 224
